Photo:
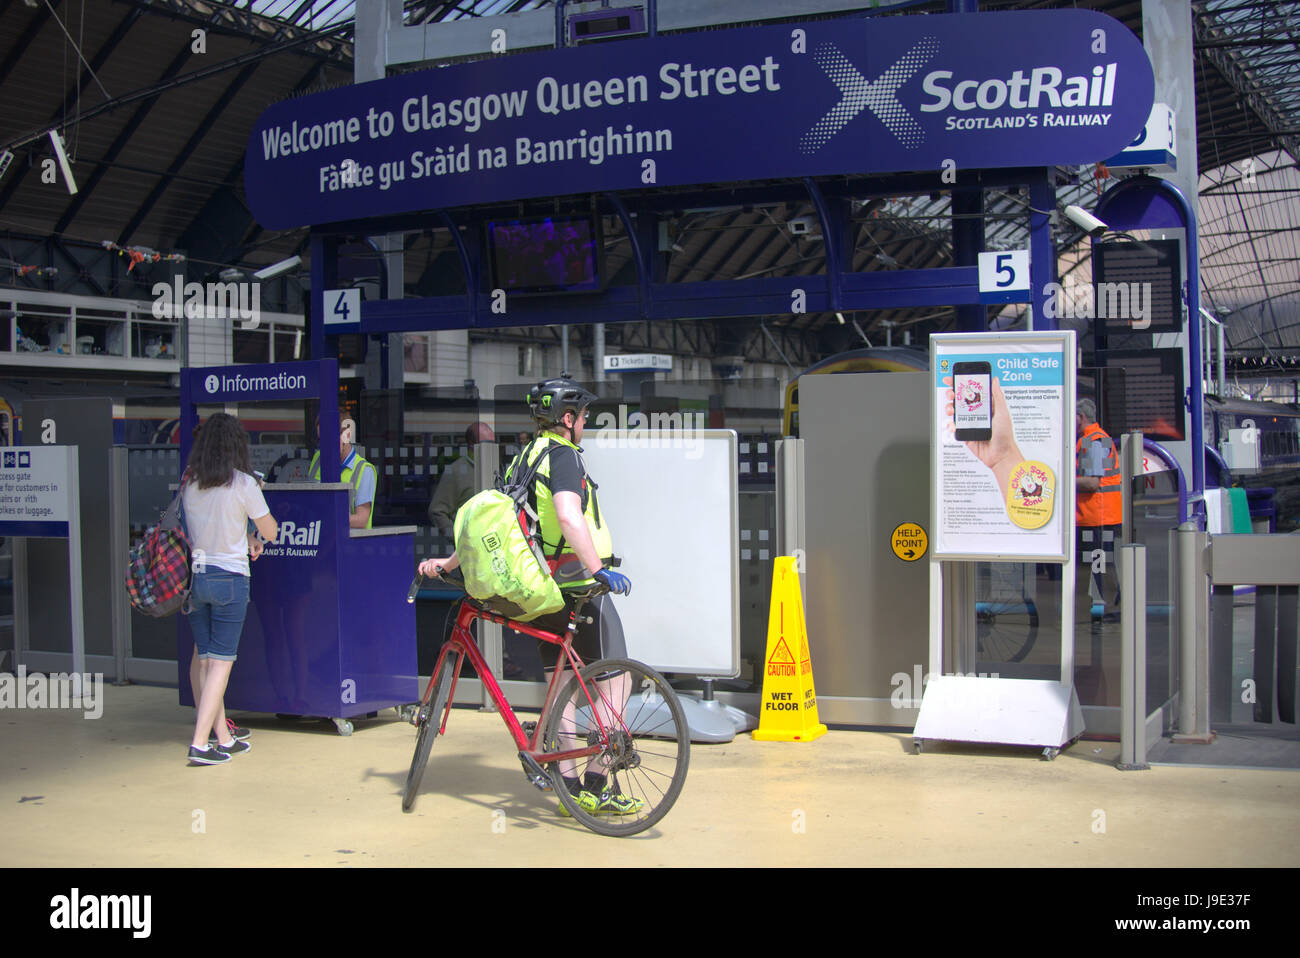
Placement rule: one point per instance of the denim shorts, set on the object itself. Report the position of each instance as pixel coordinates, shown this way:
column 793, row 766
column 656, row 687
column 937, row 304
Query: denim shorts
column 219, row 600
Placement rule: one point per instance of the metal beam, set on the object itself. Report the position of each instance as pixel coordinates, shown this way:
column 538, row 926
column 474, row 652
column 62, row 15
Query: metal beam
column 157, row 89
column 119, row 143
column 186, row 151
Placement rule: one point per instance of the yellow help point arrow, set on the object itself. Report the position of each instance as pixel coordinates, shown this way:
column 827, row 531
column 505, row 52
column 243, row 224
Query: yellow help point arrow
column 909, row 541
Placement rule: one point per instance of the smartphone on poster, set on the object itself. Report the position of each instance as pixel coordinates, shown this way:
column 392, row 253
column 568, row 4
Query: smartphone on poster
column 972, row 407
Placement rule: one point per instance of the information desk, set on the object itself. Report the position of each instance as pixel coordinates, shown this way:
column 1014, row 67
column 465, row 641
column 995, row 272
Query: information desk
column 329, row 631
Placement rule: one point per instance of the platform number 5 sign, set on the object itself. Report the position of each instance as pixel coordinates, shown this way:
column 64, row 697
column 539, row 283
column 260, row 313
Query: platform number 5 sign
column 342, row 307
column 1004, row 276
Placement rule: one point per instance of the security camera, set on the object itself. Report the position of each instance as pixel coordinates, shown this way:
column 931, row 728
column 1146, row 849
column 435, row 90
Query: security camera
column 1086, row 221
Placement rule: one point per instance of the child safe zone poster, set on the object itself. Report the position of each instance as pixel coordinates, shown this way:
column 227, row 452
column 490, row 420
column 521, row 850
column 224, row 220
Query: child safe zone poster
column 1003, row 473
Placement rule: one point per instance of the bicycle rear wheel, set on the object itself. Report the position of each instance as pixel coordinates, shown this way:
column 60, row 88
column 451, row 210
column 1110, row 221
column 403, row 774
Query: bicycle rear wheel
column 645, row 743
column 429, row 722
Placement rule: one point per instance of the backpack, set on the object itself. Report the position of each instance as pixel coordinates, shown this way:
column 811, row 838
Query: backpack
column 499, row 544
column 158, row 578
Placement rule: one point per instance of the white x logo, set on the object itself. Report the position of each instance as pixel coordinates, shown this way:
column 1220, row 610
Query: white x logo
column 878, row 97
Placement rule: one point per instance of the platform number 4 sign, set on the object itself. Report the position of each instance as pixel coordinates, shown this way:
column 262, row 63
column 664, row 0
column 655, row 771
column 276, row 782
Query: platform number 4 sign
column 342, row 307
column 1004, row 276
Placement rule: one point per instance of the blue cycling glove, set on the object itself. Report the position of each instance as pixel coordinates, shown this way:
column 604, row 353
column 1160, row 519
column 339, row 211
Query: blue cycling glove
column 618, row 583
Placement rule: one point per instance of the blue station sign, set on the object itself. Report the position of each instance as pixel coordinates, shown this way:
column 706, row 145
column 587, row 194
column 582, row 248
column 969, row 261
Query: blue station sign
column 849, row 96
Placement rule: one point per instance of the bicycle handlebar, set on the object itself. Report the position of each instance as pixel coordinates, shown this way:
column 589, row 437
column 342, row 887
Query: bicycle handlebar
column 456, row 577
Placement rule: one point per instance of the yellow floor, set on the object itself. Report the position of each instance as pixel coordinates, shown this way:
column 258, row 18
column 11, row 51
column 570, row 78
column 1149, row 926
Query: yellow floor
column 116, row 791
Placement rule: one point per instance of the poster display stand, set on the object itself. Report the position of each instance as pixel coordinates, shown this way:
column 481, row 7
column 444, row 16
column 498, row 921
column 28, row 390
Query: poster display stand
column 1002, row 490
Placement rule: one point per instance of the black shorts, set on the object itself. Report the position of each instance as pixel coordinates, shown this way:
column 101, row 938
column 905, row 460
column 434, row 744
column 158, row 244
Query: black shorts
column 602, row 638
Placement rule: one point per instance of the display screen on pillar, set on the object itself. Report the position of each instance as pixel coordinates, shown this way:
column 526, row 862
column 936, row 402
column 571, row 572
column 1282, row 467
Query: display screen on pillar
column 1137, row 289
column 1143, row 392
column 551, row 254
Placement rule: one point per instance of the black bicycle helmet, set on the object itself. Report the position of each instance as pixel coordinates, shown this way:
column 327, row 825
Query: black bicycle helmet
column 550, row 399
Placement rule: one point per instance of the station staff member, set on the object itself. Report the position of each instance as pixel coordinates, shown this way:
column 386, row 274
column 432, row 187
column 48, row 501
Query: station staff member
column 359, row 473
column 1099, row 512
column 456, row 486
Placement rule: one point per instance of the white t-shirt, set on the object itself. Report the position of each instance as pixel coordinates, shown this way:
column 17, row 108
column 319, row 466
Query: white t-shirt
column 216, row 521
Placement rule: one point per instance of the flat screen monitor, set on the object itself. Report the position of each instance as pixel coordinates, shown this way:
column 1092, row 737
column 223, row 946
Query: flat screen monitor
column 1144, row 392
column 549, row 254
column 1138, row 287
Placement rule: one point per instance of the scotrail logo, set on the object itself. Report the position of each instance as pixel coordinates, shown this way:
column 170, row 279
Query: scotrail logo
column 1033, row 89
column 880, row 97
column 296, row 540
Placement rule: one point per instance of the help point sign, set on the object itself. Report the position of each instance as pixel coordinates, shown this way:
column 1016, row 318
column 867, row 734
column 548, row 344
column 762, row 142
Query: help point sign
column 854, row 95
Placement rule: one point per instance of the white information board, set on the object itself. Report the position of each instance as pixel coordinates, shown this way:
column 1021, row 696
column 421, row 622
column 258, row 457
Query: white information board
column 672, row 500
column 1003, row 441
column 36, row 484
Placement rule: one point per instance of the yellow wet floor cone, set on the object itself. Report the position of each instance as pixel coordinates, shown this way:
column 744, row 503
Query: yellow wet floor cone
column 789, row 709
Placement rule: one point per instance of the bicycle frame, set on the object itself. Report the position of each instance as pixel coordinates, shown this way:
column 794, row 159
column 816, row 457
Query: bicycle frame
column 462, row 644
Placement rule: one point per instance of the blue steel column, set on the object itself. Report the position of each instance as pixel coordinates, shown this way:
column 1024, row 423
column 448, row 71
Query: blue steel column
column 324, row 272
column 1042, row 252
column 968, row 234
column 967, row 244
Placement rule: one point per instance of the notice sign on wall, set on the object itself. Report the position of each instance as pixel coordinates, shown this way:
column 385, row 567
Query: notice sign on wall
column 1003, row 481
column 35, row 489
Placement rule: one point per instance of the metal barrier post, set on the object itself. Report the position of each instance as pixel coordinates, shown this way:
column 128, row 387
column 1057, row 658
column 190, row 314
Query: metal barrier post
column 1133, row 659
column 1194, row 635
column 790, row 505
column 487, row 457
column 1130, row 461
column 119, row 544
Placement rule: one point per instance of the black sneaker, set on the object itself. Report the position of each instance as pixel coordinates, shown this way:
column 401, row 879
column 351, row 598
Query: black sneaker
column 208, row 756
column 237, row 733
column 235, row 748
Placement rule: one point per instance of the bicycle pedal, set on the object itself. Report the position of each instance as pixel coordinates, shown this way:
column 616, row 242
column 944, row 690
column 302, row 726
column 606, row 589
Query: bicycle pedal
column 534, row 773
column 529, row 728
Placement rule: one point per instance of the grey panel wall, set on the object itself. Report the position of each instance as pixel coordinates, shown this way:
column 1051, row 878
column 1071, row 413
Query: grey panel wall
column 867, row 470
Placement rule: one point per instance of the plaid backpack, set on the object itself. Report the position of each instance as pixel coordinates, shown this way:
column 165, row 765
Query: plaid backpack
column 158, row 576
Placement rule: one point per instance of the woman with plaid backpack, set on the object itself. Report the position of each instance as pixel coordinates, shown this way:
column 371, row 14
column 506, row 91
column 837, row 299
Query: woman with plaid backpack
column 220, row 497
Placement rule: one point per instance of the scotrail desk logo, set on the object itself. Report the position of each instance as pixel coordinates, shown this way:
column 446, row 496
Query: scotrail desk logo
column 296, row 539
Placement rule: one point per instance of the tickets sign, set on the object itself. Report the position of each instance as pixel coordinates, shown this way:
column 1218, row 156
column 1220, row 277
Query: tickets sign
column 847, row 96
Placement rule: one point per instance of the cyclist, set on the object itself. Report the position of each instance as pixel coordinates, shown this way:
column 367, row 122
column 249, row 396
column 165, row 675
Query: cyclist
column 574, row 537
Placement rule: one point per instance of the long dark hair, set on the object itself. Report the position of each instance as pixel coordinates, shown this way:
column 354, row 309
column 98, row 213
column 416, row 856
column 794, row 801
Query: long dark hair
column 220, row 448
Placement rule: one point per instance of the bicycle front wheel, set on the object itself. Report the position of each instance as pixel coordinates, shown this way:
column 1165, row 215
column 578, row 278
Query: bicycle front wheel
column 644, row 742
column 429, row 722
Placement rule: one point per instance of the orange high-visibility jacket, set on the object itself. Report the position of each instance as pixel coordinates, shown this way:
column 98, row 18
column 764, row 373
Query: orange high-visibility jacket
column 1101, row 508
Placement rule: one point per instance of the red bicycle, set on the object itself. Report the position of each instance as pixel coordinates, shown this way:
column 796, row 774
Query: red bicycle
column 618, row 717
